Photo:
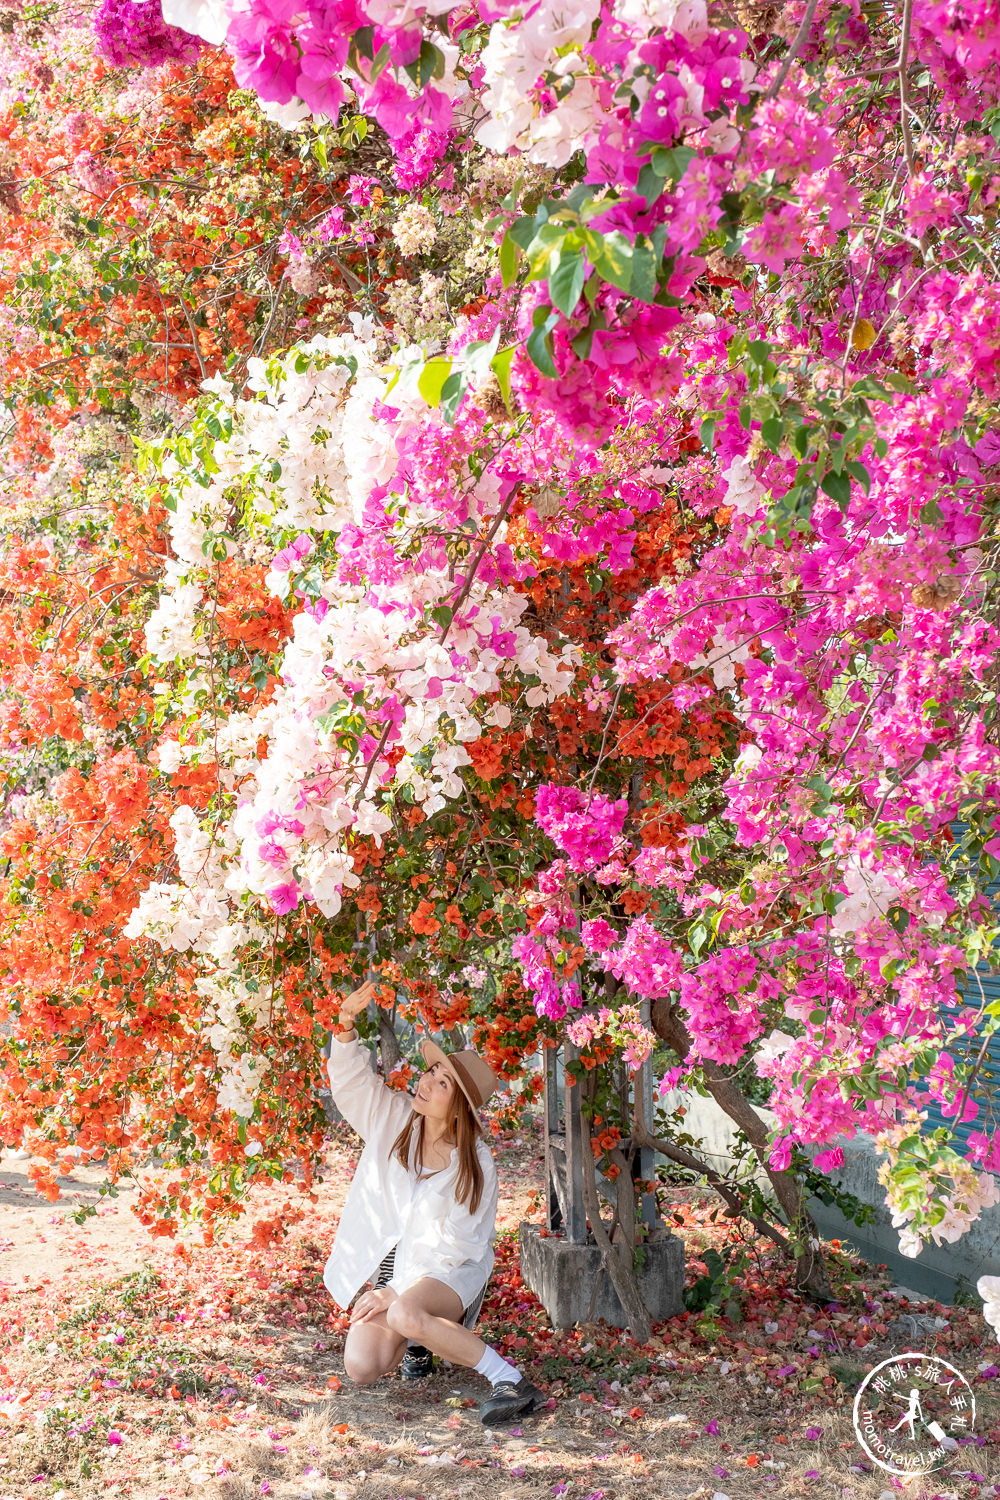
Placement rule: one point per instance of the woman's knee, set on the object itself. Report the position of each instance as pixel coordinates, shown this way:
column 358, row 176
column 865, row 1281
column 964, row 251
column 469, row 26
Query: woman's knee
column 362, row 1368
column 406, row 1319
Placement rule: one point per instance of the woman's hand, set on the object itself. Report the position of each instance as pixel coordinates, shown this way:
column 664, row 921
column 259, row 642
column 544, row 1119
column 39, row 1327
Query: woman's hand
column 356, row 1002
column 370, row 1304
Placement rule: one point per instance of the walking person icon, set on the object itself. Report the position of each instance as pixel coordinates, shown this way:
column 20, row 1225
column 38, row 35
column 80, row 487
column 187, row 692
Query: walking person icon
column 913, row 1411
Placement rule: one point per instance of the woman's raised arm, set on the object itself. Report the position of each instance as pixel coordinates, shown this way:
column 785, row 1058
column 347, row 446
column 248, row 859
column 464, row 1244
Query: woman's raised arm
column 364, row 1100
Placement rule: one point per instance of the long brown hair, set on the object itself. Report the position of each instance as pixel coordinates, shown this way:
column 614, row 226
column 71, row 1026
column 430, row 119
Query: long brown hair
column 464, row 1130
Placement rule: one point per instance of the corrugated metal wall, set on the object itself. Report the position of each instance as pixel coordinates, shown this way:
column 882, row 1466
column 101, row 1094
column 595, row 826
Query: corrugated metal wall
column 981, row 987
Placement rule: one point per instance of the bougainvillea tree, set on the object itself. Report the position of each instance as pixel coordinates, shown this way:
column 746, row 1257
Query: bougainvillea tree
column 703, row 293
column 143, row 212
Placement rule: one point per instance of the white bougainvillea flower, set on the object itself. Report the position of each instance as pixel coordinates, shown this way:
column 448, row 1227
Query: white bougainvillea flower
column 208, row 19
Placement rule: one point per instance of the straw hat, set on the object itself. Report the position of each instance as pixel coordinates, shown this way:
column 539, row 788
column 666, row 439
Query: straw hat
column 474, row 1077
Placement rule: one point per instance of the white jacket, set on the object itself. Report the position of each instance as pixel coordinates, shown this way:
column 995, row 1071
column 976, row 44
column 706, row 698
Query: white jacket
column 386, row 1204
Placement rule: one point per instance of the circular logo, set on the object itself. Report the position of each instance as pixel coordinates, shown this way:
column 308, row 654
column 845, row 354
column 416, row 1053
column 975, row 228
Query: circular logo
column 910, row 1412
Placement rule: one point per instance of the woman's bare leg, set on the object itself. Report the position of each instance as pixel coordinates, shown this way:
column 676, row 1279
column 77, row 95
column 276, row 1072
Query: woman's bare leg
column 372, row 1349
column 430, row 1313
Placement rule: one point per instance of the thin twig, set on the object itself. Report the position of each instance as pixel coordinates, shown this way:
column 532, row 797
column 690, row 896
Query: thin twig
column 904, row 89
column 470, row 576
column 801, row 37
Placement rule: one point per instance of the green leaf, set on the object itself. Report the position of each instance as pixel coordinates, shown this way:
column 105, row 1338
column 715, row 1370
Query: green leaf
column 823, row 790
column 860, row 473
column 355, row 131
column 478, row 356
column 772, row 431
column 379, row 66
column 837, row 486
column 897, row 382
column 510, row 255
column 452, row 392
column 566, row 281
column 930, row 514
column 428, row 65
column 707, row 433
column 522, row 231
column 672, row 161
column 582, row 344
column 319, row 151
column 539, row 351
column 650, row 184
column 644, row 262
column 611, row 255
column 500, row 365
column 363, row 41
column 697, row 937
column 443, row 615
column 539, row 345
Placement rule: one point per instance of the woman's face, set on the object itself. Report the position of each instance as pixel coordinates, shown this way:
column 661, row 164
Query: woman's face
column 434, row 1093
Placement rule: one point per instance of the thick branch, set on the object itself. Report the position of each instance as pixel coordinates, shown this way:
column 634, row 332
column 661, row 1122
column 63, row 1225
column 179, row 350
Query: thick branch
column 388, row 1043
column 904, row 90
column 730, row 1195
column 803, row 1237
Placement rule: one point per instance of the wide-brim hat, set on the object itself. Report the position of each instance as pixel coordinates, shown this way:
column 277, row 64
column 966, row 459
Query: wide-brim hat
column 473, row 1075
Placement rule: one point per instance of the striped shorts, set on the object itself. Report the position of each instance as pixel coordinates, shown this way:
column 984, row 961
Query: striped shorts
column 470, row 1314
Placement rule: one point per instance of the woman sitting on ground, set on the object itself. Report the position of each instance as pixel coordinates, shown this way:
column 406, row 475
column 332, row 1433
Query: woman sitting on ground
column 422, row 1205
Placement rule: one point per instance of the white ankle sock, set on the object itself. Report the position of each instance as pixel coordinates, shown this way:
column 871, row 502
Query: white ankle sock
column 496, row 1369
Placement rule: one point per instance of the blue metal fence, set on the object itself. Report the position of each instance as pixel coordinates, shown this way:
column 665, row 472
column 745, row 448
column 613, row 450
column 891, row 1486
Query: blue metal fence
column 981, row 987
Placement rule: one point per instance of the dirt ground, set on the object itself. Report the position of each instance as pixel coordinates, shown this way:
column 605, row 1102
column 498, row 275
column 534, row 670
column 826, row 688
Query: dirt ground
column 133, row 1367
column 39, row 1240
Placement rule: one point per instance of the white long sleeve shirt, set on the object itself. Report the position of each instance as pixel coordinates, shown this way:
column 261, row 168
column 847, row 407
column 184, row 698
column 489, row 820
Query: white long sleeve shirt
column 387, row 1205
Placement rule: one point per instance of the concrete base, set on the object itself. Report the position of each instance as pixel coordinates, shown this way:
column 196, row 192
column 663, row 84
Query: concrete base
column 562, row 1277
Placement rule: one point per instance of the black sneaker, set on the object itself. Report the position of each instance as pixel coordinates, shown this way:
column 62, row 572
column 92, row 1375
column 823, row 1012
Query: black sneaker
column 416, row 1362
column 508, row 1400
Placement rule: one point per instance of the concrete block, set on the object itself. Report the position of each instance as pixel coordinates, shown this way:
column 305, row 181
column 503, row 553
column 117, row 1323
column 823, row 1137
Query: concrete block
column 562, row 1277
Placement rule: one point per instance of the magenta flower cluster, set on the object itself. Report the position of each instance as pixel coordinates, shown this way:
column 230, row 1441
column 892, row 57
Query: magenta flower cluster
column 585, row 827
column 133, row 33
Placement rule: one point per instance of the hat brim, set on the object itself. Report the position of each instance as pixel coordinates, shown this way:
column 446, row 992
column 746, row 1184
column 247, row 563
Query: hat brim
column 432, row 1054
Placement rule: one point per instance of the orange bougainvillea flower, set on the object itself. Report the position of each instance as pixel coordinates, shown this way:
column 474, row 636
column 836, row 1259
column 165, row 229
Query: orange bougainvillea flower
column 423, row 921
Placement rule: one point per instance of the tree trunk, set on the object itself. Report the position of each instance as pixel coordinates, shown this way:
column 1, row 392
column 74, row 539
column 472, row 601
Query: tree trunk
column 811, row 1274
column 619, row 1258
column 388, row 1043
